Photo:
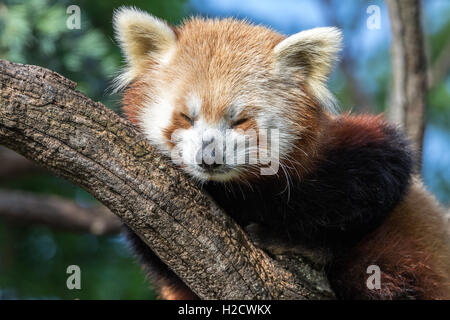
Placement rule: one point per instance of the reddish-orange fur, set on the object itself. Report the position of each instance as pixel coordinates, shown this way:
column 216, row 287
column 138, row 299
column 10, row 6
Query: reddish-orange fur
column 354, row 130
column 133, row 99
column 411, row 247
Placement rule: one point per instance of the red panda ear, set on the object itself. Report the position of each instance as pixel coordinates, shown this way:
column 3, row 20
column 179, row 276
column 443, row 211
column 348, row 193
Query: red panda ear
column 312, row 54
column 312, row 51
column 142, row 38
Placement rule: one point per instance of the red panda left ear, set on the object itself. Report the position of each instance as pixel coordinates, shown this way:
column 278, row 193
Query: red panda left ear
column 311, row 54
column 144, row 39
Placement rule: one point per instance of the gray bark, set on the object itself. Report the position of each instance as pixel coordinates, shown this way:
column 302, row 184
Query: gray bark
column 407, row 105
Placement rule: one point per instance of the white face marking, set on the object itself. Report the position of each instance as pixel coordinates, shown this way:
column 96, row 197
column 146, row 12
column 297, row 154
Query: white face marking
column 194, row 104
column 203, row 142
column 220, row 153
column 189, row 149
column 156, row 117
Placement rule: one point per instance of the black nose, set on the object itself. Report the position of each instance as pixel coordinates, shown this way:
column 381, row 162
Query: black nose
column 208, row 156
column 209, row 167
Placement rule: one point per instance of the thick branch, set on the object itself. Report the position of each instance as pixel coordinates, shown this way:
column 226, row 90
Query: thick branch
column 409, row 68
column 55, row 212
column 45, row 119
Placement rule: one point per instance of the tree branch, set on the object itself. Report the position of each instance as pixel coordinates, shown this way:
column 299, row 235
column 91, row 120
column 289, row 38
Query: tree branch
column 407, row 106
column 58, row 213
column 46, row 120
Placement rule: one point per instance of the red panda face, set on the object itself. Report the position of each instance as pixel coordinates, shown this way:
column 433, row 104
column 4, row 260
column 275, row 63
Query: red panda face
column 213, row 129
column 224, row 99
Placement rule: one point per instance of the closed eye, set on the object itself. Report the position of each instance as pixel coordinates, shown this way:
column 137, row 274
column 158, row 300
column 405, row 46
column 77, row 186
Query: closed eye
column 187, row 118
column 239, row 122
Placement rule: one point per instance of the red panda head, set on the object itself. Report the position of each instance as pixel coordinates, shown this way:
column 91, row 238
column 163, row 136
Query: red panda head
column 211, row 93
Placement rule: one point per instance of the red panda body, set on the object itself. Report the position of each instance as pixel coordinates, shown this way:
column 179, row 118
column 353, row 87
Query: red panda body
column 339, row 182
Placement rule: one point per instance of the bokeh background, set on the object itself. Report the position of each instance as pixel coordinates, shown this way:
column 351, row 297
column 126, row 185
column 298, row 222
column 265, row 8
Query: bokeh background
column 34, row 258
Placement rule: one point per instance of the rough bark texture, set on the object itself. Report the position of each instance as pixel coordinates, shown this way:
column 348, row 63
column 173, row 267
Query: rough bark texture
column 46, row 120
column 407, row 106
column 55, row 212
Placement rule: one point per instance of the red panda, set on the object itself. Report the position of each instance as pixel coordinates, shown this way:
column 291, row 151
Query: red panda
column 340, row 182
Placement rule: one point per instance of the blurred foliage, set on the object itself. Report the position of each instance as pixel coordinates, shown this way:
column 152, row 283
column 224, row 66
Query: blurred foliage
column 35, row 32
column 33, row 260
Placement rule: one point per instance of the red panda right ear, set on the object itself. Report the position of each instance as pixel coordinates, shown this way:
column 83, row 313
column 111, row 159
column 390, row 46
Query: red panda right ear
column 311, row 54
column 143, row 38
